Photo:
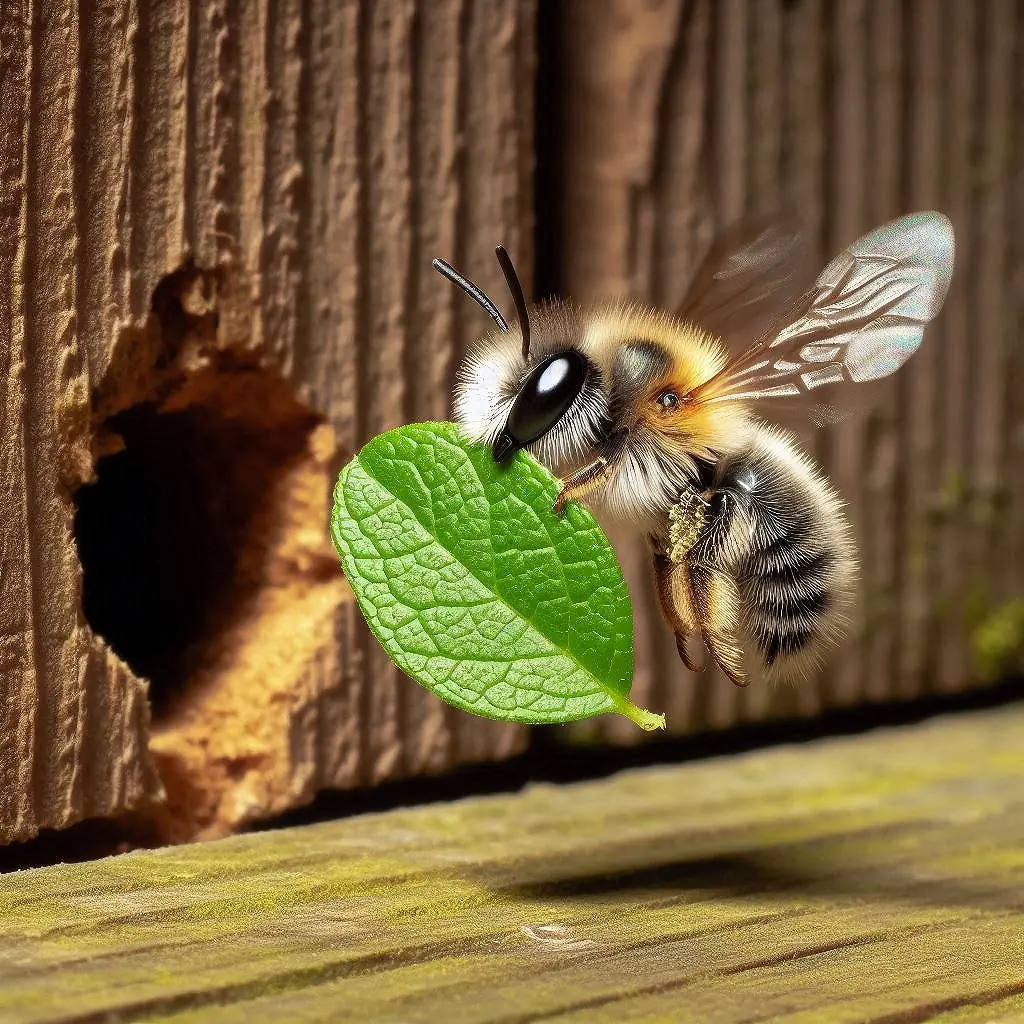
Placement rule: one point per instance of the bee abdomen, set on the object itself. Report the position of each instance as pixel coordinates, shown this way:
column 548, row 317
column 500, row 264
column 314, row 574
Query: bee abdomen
column 798, row 568
column 790, row 599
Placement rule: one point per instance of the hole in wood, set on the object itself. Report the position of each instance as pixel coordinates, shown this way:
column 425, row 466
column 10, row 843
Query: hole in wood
column 173, row 533
column 197, row 507
column 207, row 562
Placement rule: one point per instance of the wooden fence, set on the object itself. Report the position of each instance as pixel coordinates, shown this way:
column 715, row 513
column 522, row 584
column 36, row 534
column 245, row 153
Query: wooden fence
column 218, row 218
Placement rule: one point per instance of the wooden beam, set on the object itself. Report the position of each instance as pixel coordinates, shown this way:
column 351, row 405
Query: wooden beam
column 876, row 877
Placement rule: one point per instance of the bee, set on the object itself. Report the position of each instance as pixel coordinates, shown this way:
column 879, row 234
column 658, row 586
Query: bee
column 656, row 418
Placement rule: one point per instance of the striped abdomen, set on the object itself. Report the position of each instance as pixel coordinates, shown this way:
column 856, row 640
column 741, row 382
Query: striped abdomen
column 794, row 557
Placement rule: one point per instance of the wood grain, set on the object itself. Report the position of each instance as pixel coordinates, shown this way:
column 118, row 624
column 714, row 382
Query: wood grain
column 73, row 741
column 219, row 216
column 870, row 878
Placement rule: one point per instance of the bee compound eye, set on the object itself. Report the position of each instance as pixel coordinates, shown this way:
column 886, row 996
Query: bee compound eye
column 551, row 387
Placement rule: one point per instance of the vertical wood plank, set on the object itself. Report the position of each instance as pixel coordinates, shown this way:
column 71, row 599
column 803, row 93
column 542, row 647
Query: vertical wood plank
column 387, row 191
column 952, row 476
column 333, row 249
column 431, row 344
column 197, row 195
column 249, row 189
column 282, row 273
column 56, row 394
column 729, row 108
column 1013, row 467
column 804, row 183
column 848, row 161
column 765, row 125
column 917, row 384
column 156, row 202
column 987, row 527
column 335, row 229
column 850, row 113
column 105, row 174
column 18, row 646
column 879, row 537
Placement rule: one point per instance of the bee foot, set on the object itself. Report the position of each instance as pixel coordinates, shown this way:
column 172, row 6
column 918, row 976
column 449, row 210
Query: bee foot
column 740, row 679
column 684, row 656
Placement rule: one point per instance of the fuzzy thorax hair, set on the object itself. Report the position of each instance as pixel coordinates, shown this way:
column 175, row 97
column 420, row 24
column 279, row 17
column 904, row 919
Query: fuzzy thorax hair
column 634, row 354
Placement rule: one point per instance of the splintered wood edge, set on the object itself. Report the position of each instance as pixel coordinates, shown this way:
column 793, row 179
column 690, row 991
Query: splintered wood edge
column 875, row 877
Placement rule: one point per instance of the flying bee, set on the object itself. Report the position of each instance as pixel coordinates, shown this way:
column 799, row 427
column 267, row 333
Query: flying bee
column 655, row 417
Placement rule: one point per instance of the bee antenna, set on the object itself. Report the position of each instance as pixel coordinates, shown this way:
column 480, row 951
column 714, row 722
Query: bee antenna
column 472, row 290
column 512, row 280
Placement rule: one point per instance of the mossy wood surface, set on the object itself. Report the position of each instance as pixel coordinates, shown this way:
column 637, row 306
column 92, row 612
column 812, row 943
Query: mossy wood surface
column 879, row 878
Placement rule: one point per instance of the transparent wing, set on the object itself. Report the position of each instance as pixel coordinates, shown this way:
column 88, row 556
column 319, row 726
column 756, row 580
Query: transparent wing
column 862, row 320
column 748, row 281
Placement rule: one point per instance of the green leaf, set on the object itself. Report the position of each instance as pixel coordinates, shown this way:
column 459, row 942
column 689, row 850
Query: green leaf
column 476, row 588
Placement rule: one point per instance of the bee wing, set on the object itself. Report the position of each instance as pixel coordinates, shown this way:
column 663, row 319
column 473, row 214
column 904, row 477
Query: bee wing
column 862, row 320
column 748, row 281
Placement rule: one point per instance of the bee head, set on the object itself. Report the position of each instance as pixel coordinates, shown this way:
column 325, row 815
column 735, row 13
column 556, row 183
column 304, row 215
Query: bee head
column 528, row 388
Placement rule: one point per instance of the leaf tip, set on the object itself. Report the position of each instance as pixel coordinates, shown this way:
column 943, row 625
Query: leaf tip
column 647, row 720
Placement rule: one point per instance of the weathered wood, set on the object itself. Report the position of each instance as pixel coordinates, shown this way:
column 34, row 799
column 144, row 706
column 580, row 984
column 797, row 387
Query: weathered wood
column 72, row 741
column 872, row 878
column 683, row 117
column 218, row 220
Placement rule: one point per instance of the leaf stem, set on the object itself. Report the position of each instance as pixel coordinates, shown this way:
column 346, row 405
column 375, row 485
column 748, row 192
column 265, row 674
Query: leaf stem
column 647, row 720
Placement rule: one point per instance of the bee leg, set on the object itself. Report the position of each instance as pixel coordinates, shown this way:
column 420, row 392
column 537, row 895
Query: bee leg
column 676, row 604
column 698, row 527
column 717, row 606
column 581, row 483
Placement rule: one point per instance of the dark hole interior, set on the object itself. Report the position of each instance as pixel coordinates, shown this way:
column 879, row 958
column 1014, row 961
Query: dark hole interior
column 166, row 533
